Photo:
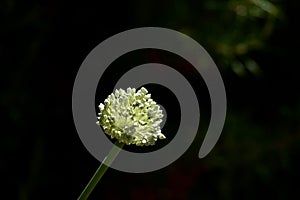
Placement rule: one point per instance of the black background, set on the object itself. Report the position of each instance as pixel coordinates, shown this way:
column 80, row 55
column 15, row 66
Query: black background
column 43, row 44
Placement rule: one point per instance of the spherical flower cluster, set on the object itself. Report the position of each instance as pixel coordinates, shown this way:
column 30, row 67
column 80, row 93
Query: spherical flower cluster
column 131, row 117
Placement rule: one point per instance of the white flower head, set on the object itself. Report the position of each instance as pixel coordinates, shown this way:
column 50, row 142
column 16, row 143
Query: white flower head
column 131, row 117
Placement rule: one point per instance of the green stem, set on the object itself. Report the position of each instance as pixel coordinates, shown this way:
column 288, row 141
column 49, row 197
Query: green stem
column 101, row 170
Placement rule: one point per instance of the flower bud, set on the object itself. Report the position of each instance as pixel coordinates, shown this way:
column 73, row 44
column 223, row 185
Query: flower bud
column 131, row 117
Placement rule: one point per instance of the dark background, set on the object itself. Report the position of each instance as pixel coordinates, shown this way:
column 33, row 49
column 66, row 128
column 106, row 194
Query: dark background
column 255, row 44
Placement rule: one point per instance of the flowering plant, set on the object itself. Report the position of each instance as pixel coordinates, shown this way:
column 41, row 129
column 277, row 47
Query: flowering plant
column 131, row 117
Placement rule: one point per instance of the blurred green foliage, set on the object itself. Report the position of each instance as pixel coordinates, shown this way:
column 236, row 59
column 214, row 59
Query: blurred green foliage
column 229, row 29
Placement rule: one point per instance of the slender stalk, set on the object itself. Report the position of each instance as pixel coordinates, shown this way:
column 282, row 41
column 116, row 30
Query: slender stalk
column 101, row 170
